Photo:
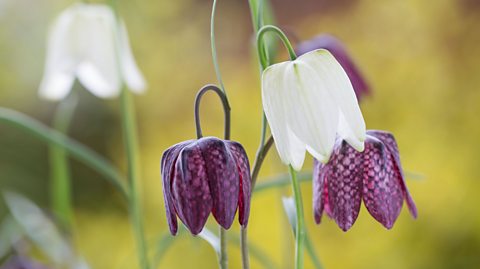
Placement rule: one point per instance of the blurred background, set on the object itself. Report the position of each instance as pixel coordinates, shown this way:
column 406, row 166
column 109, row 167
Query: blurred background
column 422, row 59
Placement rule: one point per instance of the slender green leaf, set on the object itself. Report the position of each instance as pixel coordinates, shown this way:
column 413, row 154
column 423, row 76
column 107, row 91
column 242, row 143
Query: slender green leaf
column 280, row 181
column 42, row 232
column 77, row 150
column 10, row 233
column 39, row 228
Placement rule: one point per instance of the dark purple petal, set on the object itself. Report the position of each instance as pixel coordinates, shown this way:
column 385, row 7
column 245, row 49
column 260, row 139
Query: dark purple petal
column 389, row 140
column 191, row 191
column 243, row 168
column 320, row 189
column 344, row 179
column 382, row 192
column 167, row 168
column 223, row 179
column 340, row 53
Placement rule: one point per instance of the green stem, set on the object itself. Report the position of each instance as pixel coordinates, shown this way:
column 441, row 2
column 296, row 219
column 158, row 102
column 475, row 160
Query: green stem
column 131, row 147
column 311, row 252
column 74, row 148
column 60, row 182
column 281, row 35
column 300, row 231
column 223, row 258
column 214, row 48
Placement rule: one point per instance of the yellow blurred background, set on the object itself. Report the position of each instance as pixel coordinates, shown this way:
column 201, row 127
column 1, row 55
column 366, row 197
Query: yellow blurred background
column 422, row 59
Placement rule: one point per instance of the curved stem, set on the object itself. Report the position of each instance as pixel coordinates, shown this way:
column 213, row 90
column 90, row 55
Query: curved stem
column 300, row 231
column 281, row 35
column 222, row 257
column 226, row 109
column 60, row 178
column 74, row 148
column 131, row 147
column 214, row 48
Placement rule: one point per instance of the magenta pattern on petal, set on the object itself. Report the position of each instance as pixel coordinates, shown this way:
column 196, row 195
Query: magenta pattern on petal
column 205, row 176
column 374, row 176
column 223, row 180
column 243, row 168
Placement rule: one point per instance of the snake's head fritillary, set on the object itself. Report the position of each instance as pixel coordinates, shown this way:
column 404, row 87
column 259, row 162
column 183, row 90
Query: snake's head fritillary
column 204, row 176
column 374, row 176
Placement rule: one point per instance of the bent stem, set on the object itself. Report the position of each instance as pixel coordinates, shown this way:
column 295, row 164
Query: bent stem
column 300, row 231
column 60, row 181
column 131, row 148
column 222, row 254
column 223, row 241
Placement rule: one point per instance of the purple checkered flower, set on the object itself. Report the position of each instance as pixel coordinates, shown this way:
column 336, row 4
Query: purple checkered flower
column 332, row 44
column 374, row 176
column 203, row 176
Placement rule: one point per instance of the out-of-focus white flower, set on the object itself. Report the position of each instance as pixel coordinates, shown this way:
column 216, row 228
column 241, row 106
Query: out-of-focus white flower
column 87, row 42
column 308, row 102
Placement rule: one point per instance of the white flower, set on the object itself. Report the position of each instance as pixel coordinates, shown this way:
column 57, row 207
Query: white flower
column 87, row 42
column 307, row 103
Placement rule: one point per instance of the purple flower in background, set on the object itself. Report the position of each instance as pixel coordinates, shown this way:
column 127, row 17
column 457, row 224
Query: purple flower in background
column 374, row 175
column 340, row 53
column 18, row 262
column 203, row 176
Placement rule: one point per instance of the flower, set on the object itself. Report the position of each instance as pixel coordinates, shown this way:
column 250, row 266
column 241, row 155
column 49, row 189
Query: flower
column 203, row 176
column 308, row 102
column 374, row 175
column 330, row 43
column 87, row 42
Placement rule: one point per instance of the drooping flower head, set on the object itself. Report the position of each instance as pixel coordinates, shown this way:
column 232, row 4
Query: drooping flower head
column 203, row 176
column 340, row 53
column 87, row 42
column 308, row 102
column 374, row 176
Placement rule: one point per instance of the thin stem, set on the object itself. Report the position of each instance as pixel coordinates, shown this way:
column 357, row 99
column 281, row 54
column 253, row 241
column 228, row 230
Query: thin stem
column 131, row 147
column 259, row 160
column 226, row 109
column 223, row 257
column 300, row 231
column 281, row 35
column 311, row 251
column 74, row 148
column 223, row 246
column 214, row 48
column 256, row 12
column 60, row 181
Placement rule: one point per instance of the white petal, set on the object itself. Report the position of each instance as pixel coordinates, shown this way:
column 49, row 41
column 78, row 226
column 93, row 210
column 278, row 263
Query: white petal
column 346, row 134
column 312, row 114
column 61, row 59
column 352, row 126
column 131, row 73
column 289, row 147
column 99, row 70
column 56, row 84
